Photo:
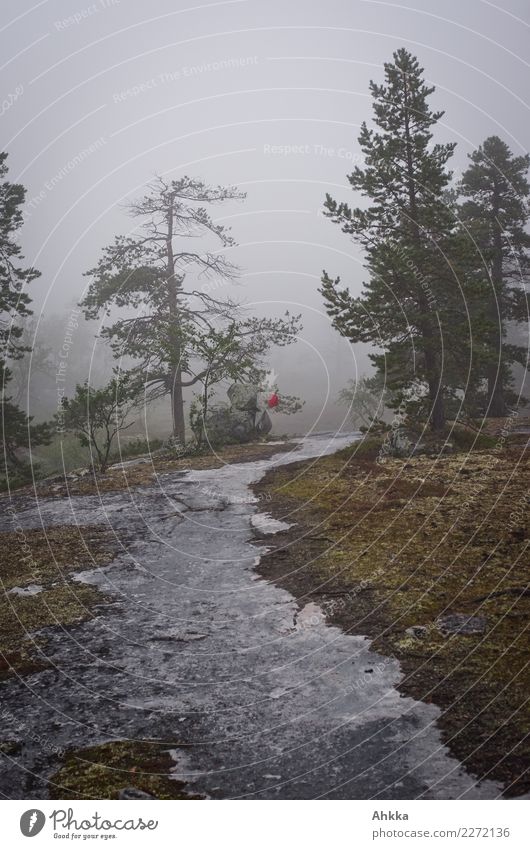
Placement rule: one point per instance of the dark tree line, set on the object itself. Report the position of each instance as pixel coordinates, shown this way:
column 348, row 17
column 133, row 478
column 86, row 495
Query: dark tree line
column 166, row 336
column 494, row 192
column 18, row 431
column 445, row 303
column 448, row 265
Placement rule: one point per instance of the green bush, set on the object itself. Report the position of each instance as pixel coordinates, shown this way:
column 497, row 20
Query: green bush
column 367, row 448
column 470, row 440
column 135, row 448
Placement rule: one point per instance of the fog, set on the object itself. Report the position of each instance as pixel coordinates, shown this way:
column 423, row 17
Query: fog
column 102, row 96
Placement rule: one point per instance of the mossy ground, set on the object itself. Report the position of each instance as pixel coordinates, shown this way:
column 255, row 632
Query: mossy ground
column 101, row 772
column 386, row 546
column 48, row 559
column 116, row 479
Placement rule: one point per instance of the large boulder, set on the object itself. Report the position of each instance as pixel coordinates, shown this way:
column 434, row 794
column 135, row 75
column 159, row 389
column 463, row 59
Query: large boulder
column 223, row 425
column 243, row 396
column 242, row 421
column 400, row 443
column 242, row 427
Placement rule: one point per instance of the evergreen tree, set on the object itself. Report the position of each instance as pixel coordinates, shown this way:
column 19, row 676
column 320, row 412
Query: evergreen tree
column 17, row 430
column 97, row 416
column 35, row 368
column 409, row 306
column 176, row 336
column 14, row 300
column 236, row 353
column 367, row 401
column 19, row 435
column 496, row 213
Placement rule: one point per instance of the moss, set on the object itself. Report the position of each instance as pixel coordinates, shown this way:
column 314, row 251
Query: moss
column 10, row 747
column 142, row 474
column 460, row 438
column 368, row 448
column 101, row 772
column 386, row 547
column 47, row 559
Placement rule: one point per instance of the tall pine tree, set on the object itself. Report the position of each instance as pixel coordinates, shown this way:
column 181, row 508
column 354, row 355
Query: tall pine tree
column 495, row 210
column 408, row 306
column 14, row 300
column 172, row 329
column 17, row 430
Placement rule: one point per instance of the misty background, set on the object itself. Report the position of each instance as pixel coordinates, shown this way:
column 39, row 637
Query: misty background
column 98, row 98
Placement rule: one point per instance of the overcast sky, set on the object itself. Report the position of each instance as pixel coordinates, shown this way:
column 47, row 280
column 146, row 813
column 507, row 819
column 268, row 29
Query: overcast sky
column 222, row 90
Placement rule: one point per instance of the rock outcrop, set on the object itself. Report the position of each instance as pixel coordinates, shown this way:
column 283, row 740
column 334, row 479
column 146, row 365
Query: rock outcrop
column 243, row 420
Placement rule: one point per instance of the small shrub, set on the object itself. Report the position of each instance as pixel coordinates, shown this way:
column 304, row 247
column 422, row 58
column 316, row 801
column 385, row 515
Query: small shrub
column 469, row 440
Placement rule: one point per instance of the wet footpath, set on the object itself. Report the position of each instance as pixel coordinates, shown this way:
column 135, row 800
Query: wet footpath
column 256, row 697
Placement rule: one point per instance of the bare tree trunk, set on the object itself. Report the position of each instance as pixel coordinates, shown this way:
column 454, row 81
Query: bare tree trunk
column 205, row 391
column 437, row 407
column 177, row 408
column 436, row 401
column 496, row 404
column 177, row 400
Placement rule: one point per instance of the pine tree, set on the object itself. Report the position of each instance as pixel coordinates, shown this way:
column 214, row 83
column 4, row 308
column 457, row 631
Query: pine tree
column 17, row 430
column 172, row 331
column 496, row 212
column 146, row 273
column 98, row 415
column 408, row 308
column 14, row 300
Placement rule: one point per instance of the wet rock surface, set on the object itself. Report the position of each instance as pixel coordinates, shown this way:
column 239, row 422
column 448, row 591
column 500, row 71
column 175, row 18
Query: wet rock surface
column 195, row 649
column 461, row 623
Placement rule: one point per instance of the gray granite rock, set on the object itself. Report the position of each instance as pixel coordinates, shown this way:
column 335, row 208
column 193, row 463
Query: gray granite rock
column 461, row 623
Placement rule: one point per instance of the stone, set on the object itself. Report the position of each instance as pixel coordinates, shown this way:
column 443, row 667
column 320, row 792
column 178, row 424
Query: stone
column 461, row 623
column 175, row 446
column 226, row 425
column 399, row 443
column 243, row 397
column 241, row 421
column 419, row 632
column 242, row 426
column 31, row 589
column 137, row 461
column 133, row 793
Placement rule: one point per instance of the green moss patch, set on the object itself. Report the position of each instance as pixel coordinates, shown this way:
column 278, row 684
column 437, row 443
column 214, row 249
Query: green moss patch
column 388, row 547
column 101, row 772
column 44, row 562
